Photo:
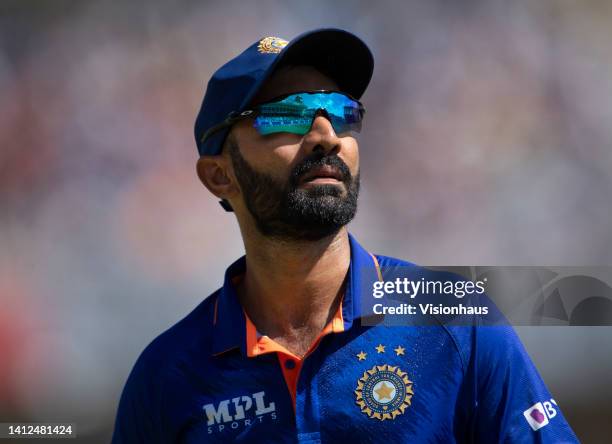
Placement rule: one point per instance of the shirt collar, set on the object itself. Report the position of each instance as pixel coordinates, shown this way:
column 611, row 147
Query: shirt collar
column 229, row 322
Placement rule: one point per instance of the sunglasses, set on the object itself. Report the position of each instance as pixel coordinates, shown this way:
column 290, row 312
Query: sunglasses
column 294, row 113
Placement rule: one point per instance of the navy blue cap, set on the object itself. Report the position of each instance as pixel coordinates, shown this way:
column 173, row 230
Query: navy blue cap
column 338, row 54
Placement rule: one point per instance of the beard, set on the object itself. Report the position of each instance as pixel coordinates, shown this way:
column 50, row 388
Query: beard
column 286, row 212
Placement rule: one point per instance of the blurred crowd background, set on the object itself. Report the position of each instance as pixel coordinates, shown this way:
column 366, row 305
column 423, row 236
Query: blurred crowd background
column 487, row 141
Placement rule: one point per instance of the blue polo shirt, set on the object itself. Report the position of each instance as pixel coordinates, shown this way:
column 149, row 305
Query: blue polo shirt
column 213, row 378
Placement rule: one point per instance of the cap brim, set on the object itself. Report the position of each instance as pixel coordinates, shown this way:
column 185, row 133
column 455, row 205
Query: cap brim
column 342, row 56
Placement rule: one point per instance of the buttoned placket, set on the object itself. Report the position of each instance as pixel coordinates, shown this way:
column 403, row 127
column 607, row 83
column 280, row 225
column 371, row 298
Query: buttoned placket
column 300, row 374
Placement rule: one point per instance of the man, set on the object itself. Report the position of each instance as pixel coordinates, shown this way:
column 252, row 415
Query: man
column 281, row 353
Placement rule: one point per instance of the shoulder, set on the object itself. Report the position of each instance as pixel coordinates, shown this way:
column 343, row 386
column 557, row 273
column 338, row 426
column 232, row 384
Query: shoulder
column 492, row 343
column 139, row 416
column 171, row 350
column 193, row 332
column 460, row 337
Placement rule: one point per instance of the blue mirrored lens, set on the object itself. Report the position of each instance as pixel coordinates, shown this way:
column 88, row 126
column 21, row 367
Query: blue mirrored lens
column 295, row 113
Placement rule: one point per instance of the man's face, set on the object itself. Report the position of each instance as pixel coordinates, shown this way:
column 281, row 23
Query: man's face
column 296, row 187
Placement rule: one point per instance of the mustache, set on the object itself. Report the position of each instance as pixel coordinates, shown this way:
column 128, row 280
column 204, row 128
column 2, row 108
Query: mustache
column 317, row 160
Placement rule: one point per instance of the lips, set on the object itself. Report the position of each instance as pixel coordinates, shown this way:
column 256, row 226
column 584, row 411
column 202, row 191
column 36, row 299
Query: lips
column 322, row 172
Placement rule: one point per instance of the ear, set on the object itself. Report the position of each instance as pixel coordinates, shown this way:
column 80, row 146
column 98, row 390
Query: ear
column 214, row 173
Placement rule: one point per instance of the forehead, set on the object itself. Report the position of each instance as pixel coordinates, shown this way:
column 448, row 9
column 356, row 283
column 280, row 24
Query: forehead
column 290, row 79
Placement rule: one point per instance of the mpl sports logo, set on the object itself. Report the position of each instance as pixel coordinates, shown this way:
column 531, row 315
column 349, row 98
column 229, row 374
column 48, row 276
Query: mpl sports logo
column 540, row 414
column 221, row 416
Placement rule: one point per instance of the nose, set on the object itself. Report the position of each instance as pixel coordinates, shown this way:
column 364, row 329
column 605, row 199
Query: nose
column 321, row 136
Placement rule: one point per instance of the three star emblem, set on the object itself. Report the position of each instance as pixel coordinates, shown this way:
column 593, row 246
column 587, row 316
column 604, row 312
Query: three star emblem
column 380, row 348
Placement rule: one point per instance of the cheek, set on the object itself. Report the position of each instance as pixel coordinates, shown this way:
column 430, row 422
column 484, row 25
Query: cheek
column 273, row 155
column 350, row 154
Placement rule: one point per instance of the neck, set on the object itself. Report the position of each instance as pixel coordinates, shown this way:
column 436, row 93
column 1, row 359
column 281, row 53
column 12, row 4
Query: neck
column 293, row 288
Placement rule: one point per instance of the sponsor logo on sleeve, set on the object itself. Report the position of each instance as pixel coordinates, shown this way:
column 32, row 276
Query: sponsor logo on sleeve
column 540, row 414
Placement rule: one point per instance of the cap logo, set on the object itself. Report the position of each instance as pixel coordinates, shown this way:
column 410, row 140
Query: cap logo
column 271, row 45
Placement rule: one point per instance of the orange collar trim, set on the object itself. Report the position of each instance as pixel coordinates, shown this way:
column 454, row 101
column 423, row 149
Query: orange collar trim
column 260, row 344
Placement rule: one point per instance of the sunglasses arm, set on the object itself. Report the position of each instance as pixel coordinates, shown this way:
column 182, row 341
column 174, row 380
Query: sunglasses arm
column 231, row 118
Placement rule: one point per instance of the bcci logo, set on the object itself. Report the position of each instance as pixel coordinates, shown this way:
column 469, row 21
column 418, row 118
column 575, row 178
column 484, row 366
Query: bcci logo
column 384, row 392
column 271, row 45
